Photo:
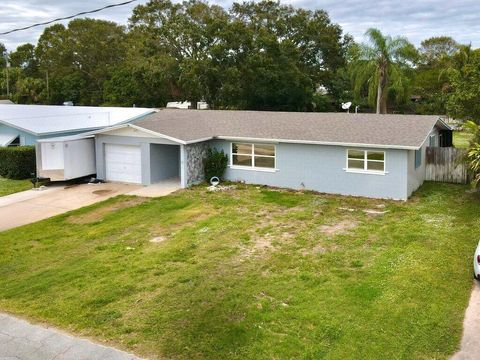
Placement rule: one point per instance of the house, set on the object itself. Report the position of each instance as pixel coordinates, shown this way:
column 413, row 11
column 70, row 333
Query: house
column 201, row 105
column 25, row 124
column 380, row 156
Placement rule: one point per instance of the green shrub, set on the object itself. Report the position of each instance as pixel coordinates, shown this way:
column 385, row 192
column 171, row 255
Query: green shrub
column 17, row 162
column 215, row 163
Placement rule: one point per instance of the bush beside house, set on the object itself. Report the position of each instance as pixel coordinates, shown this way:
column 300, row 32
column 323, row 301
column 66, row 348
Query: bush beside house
column 17, row 162
column 215, row 163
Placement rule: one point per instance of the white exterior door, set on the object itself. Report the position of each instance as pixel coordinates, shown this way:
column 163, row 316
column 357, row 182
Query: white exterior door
column 52, row 156
column 123, row 163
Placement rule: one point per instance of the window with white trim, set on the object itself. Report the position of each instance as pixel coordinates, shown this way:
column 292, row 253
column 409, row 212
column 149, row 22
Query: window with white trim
column 253, row 155
column 366, row 161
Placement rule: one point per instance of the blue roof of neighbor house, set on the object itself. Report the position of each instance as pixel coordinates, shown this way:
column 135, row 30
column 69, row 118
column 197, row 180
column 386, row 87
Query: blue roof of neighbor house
column 51, row 119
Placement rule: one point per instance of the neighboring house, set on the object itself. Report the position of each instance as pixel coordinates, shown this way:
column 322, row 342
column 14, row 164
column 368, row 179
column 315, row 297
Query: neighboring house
column 201, row 105
column 25, row 124
column 380, row 156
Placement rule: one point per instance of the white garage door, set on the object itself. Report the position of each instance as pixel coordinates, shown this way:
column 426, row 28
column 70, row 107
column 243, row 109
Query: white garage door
column 123, row 163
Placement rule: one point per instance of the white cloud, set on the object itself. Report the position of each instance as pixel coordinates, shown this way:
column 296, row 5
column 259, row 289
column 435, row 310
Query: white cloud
column 415, row 19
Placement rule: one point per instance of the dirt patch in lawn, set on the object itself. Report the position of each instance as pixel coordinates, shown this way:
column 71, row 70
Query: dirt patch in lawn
column 341, row 227
column 99, row 213
column 260, row 246
column 185, row 219
column 101, row 192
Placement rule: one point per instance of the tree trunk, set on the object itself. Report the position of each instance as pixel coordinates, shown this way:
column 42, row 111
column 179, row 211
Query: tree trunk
column 381, row 95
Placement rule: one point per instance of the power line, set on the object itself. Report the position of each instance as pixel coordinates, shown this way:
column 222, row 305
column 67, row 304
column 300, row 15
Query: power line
column 69, row 17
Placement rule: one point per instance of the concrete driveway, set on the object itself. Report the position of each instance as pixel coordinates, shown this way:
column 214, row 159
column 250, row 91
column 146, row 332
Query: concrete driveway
column 20, row 340
column 470, row 346
column 34, row 205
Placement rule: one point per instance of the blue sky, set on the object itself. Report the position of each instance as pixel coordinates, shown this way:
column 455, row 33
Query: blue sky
column 417, row 20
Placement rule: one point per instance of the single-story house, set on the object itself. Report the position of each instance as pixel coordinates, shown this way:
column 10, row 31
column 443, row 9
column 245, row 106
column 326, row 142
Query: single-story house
column 380, row 156
column 25, row 124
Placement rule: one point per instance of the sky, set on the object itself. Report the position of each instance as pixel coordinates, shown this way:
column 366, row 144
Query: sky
column 417, row 20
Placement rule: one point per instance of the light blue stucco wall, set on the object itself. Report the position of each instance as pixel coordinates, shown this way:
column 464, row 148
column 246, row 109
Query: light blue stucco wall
column 416, row 176
column 322, row 168
column 25, row 137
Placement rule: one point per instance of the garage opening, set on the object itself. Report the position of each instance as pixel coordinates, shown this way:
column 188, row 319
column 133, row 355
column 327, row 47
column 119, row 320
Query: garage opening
column 164, row 163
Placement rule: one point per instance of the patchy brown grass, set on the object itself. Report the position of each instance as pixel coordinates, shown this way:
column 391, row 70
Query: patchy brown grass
column 341, row 227
column 98, row 214
column 190, row 218
column 368, row 292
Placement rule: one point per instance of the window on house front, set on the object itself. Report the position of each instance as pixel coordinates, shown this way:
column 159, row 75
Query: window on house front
column 366, row 161
column 253, row 155
column 418, row 158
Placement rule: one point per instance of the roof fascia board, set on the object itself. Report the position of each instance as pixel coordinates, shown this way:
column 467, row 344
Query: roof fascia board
column 200, row 140
column 65, row 138
column 396, row 147
column 441, row 121
column 150, row 132
column 18, row 128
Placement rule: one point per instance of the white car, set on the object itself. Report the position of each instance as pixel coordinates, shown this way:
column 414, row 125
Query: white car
column 476, row 263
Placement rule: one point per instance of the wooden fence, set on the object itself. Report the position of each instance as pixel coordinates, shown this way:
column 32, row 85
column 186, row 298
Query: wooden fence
column 446, row 164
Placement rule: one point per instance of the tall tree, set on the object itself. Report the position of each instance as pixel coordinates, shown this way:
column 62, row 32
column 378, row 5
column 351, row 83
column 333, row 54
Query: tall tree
column 182, row 35
column 3, row 53
column 433, row 50
column 80, row 58
column 282, row 54
column 431, row 83
column 24, row 58
column 257, row 55
column 464, row 76
column 381, row 65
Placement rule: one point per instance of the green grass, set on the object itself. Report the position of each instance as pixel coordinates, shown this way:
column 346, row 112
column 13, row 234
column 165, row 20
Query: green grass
column 461, row 139
column 8, row 186
column 253, row 273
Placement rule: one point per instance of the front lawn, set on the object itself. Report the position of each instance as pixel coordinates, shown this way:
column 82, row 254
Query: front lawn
column 252, row 273
column 8, row 186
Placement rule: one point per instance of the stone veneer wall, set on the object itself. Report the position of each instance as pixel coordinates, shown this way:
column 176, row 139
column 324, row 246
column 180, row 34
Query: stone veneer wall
column 195, row 153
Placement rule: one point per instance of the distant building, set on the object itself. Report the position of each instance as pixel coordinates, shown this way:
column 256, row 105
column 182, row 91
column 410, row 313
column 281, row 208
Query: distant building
column 201, row 105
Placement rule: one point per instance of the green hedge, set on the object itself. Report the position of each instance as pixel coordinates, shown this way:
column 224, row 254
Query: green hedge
column 17, row 162
column 215, row 163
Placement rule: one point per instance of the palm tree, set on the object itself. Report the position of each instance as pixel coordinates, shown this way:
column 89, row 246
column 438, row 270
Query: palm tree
column 381, row 65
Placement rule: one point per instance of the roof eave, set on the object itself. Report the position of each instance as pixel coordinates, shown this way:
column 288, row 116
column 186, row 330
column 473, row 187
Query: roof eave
column 153, row 133
column 313, row 142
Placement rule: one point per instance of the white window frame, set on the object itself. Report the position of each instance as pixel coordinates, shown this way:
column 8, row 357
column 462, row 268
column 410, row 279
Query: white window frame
column 252, row 154
column 365, row 162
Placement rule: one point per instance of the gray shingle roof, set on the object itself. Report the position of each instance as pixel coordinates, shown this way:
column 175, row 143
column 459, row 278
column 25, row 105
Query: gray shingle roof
column 397, row 131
